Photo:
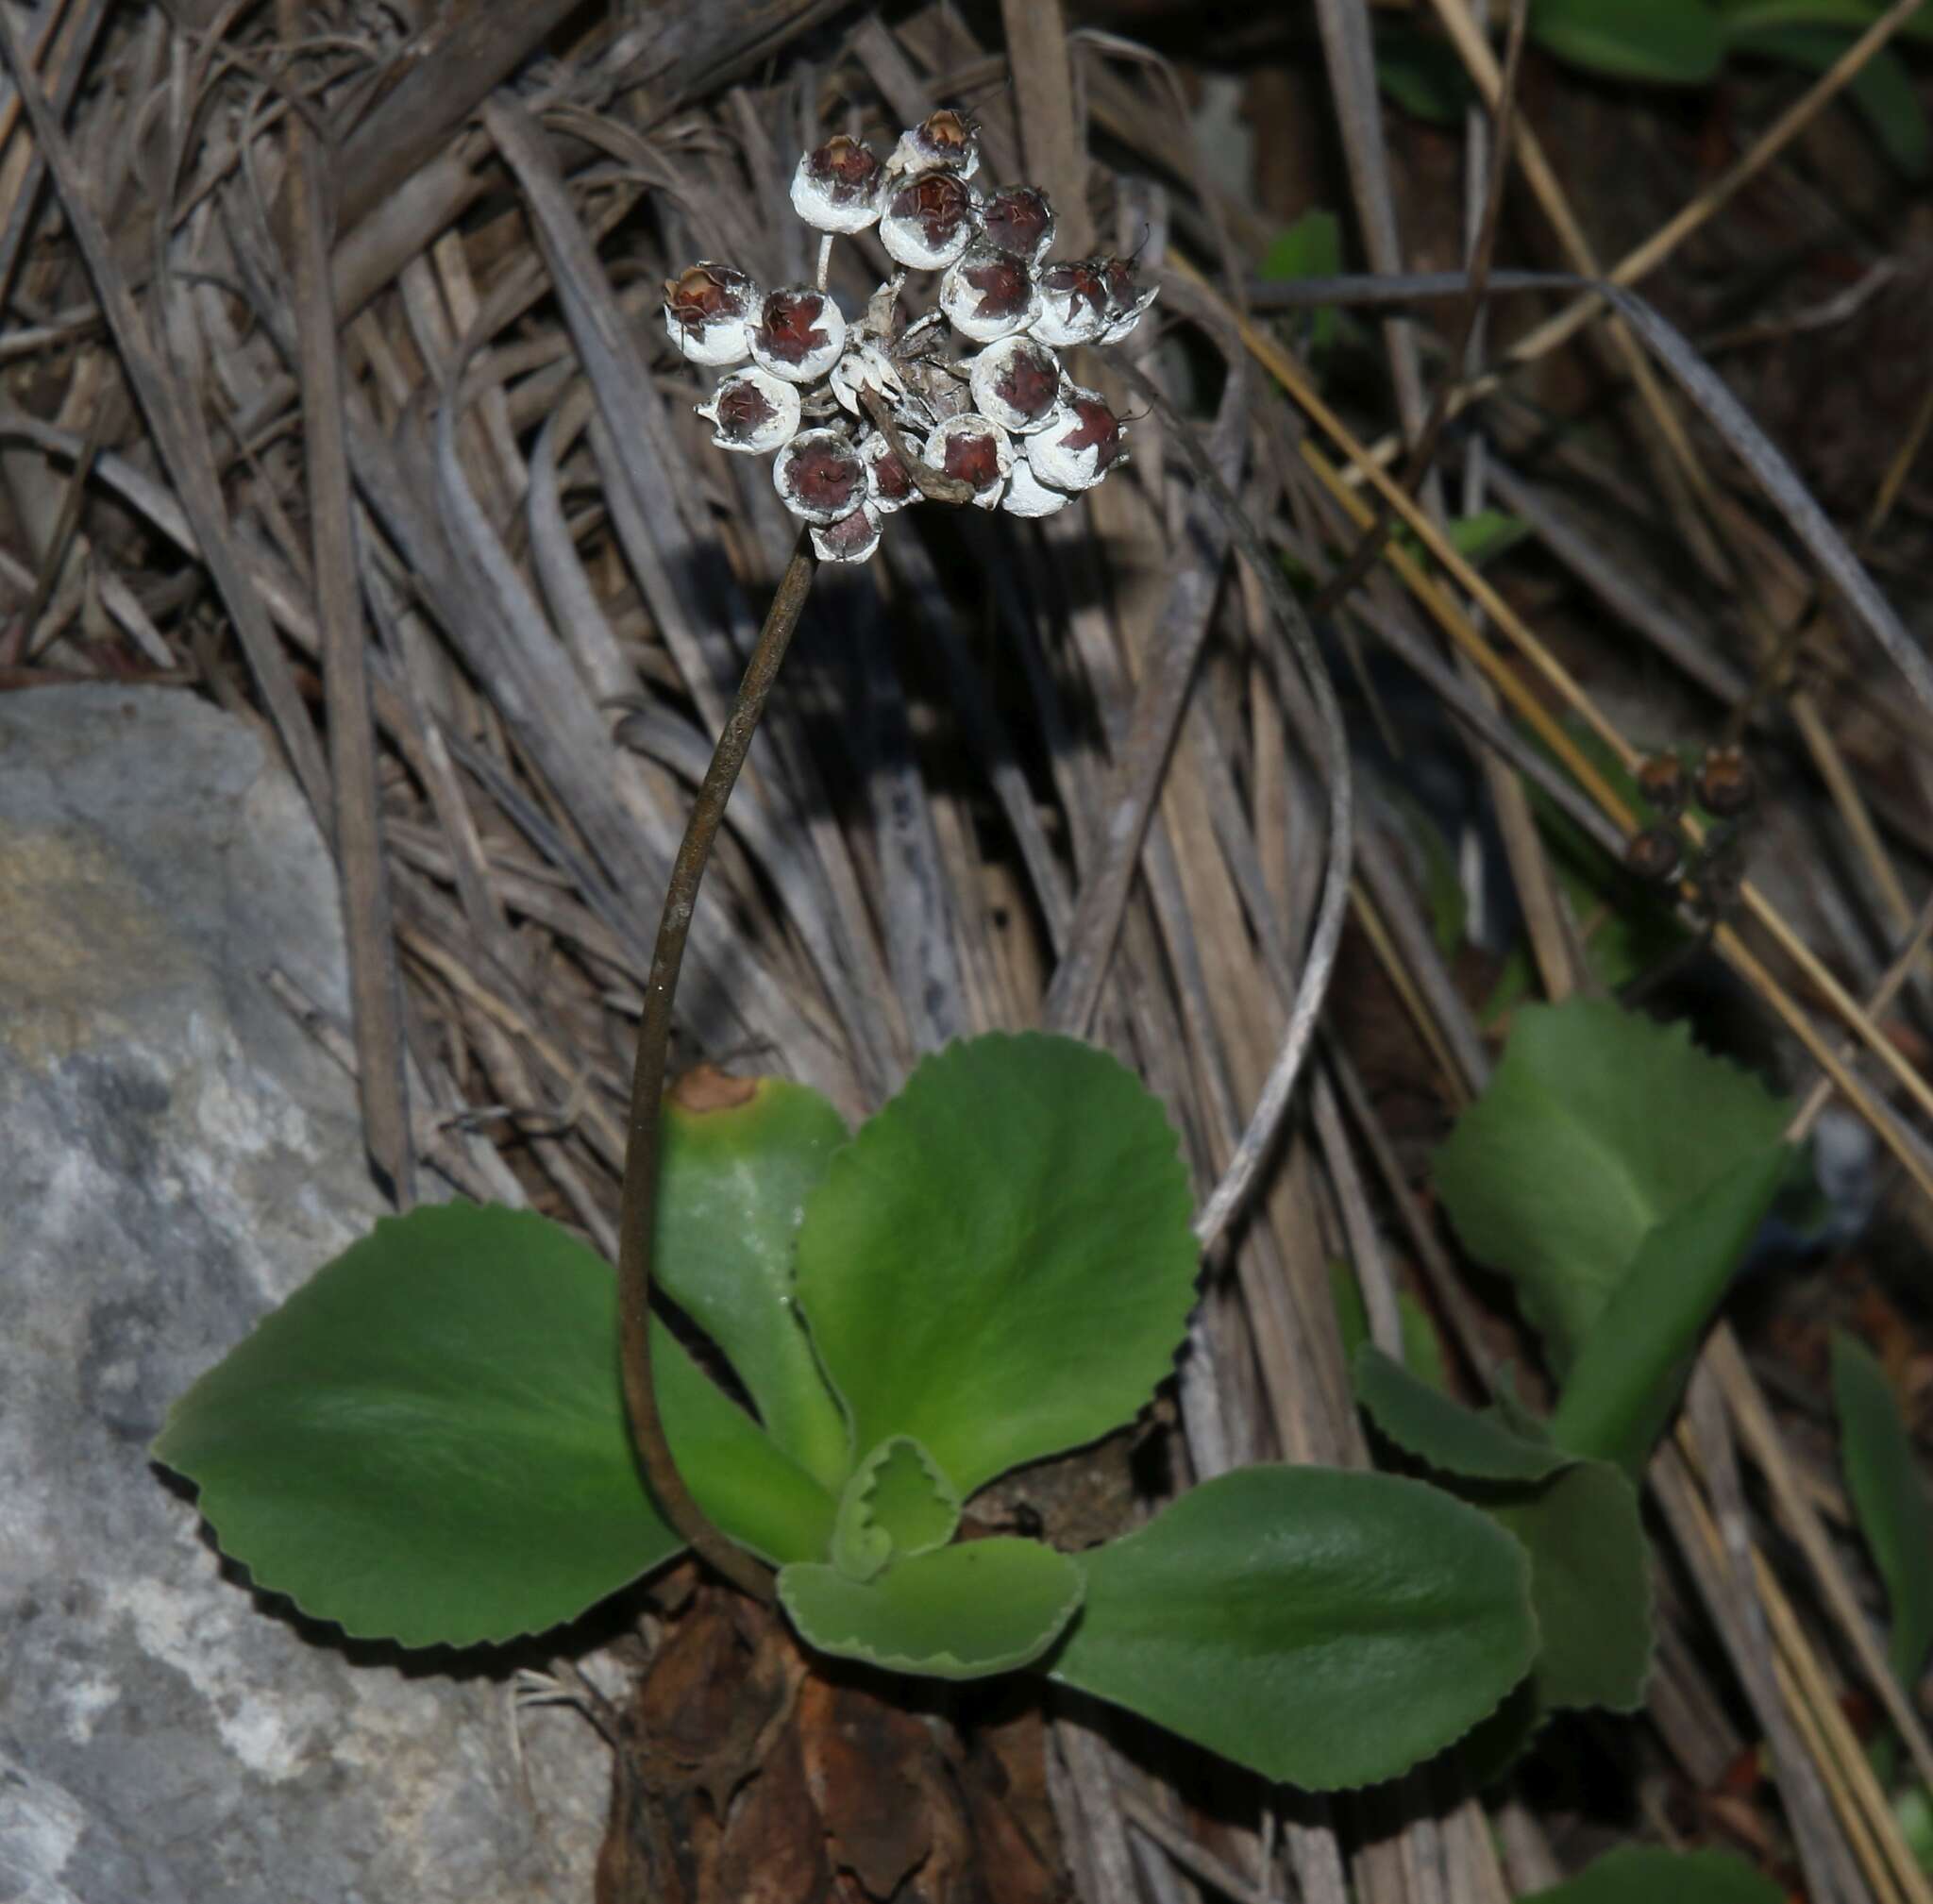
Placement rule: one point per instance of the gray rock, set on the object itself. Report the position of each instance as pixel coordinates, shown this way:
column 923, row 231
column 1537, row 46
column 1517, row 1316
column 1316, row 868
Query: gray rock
column 175, row 1156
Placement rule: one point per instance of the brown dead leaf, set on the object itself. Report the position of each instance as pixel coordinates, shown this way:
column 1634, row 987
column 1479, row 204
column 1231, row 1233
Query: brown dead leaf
column 857, row 1752
column 774, row 1848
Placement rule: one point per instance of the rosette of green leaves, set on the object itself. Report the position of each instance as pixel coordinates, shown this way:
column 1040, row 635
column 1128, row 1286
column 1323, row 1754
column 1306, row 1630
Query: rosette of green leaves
column 428, row 1443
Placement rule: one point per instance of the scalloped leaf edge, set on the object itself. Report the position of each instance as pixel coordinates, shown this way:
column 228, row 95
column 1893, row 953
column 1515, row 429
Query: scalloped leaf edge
column 944, row 1665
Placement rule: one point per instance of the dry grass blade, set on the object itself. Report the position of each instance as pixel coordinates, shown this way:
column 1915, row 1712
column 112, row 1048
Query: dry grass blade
column 1258, row 1139
column 1350, row 59
column 67, row 42
column 182, row 448
column 1759, row 1432
column 1644, row 259
column 469, row 1163
column 1762, row 460
column 1188, row 1854
column 1183, row 629
column 449, row 69
column 1050, row 141
column 1717, row 1553
column 373, row 987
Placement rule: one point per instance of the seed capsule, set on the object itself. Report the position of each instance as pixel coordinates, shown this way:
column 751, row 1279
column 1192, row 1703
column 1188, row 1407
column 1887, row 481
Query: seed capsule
column 836, row 187
column 1661, row 781
column 989, row 293
column 1126, row 301
column 976, row 450
column 1073, row 303
column 942, row 140
column 1080, row 444
column 800, row 334
column 1727, row 785
column 1656, row 854
column 1028, row 495
column 929, row 221
column 852, row 538
column 753, row 412
column 1017, row 383
column 889, row 484
column 819, row 477
column 1019, row 220
column 709, row 309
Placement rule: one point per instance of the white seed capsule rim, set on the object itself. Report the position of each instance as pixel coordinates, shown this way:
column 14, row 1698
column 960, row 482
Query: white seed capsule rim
column 1064, row 468
column 827, row 553
column 783, row 397
column 909, row 161
column 816, row 362
column 971, row 422
column 1027, row 496
column 782, row 470
column 1053, row 326
column 906, row 244
column 720, row 343
column 817, row 203
column 957, row 299
column 873, row 450
column 986, row 371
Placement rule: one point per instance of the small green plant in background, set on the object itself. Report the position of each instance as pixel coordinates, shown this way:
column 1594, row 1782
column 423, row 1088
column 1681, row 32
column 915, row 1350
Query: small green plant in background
column 428, row 1443
column 1888, row 1491
column 1640, row 1874
column 1615, row 1175
column 1684, row 43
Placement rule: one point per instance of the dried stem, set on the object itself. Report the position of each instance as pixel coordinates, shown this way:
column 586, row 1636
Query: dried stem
column 638, row 1217
column 934, row 484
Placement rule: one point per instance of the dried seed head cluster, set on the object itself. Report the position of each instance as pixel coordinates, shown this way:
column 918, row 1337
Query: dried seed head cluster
column 1712, row 861
column 865, row 415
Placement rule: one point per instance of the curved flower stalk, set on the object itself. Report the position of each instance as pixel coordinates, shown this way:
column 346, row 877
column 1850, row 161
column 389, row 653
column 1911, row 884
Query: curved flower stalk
column 968, row 402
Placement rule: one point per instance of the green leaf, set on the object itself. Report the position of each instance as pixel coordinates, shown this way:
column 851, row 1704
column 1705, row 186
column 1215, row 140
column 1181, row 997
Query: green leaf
column 1513, row 1411
column 960, row 1612
column 1478, row 538
column 1883, row 1479
column 1597, row 1126
column 732, row 1188
column 1486, row 536
column 1424, row 1422
column 898, row 1501
column 1676, row 42
column 1422, row 1352
column 1882, row 92
column 1623, row 1388
column 1590, row 1583
column 1578, row 1521
column 1489, row 1749
column 1324, row 1627
column 1311, row 247
column 1912, row 1810
column 426, row 1442
column 1637, row 1873
column 1422, row 74
column 1000, row 1264
column 1747, row 16
column 911, row 1499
